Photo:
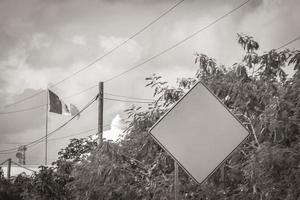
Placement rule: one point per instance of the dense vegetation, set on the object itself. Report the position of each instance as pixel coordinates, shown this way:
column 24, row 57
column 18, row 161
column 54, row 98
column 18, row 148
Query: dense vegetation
column 267, row 166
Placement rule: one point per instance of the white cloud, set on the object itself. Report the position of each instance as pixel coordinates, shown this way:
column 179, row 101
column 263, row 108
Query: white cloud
column 18, row 75
column 78, row 40
column 39, row 40
column 131, row 49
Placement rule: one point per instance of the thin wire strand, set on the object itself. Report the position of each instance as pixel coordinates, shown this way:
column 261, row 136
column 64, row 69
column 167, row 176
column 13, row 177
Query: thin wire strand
column 76, row 134
column 23, row 110
column 288, row 43
column 128, row 101
column 104, row 55
column 94, row 86
column 54, row 131
column 65, row 137
column 85, row 90
column 4, row 162
column 79, row 133
column 63, row 125
column 122, row 43
column 80, row 92
column 127, row 97
column 22, row 166
column 24, row 99
column 178, row 43
column 164, row 51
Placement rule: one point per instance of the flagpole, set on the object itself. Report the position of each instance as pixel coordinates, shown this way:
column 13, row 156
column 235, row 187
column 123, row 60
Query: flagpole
column 46, row 139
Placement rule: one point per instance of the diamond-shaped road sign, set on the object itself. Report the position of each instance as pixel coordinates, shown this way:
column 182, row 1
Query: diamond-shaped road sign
column 199, row 132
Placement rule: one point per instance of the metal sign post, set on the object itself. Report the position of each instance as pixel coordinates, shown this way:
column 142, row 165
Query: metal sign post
column 176, row 183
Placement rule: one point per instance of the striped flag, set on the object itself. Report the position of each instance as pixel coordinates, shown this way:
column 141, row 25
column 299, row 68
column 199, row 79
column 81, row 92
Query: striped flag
column 60, row 107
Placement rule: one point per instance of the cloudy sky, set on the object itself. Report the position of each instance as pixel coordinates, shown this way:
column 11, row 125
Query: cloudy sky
column 44, row 41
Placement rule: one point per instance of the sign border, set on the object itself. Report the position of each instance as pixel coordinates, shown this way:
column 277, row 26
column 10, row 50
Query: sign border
column 175, row 159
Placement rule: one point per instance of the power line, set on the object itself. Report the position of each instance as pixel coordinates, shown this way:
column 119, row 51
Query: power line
column 22, row 166
column 57, row 138
column 80, row 92
column 94, row 86
column 76, row 134
column 53, row 139
column 127, row 97
column 23, row 110
column 157, row 55
column 63, row 125
column 106, row 54
column 178, row 43
column 122, row 43
column 80, row 133
column 51, row 133
column 3, row 162
column 43, row 105
column 112, row 99
column 128, row 101
column 24, row 99
column 288, row 43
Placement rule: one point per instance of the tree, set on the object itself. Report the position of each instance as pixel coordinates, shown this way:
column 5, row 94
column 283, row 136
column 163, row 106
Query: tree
column 257, row 90
column 266, row 166
column 13, row 188
column 51, row 182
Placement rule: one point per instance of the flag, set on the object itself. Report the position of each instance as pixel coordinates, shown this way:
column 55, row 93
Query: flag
column 60, row 107
column 65, row 108
column 55, row 103
column 74, row 111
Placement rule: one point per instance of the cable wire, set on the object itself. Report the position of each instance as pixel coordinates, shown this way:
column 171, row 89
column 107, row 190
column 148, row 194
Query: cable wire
column 54, row 131
column 80, row 92
column 4, row 162
column 178, row 43
column 24, row 99
column 127, row 97
column 288, row 43
column 85, row 90
column 122, row 43
column 76, row 134
column 22, row 166
column 112, row 99
column 128, row 101
column 23, row 110
column 106, row 54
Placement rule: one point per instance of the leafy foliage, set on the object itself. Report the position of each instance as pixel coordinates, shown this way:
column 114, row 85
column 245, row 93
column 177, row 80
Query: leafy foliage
column 257, row 90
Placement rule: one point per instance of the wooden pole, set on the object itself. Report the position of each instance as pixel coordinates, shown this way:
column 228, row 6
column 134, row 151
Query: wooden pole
column 46, row 139
column 100, row 112
column 24, row 155
column 9, row 168
column 176, row 184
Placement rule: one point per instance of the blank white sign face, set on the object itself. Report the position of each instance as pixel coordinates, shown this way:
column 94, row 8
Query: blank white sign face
column 199, row 132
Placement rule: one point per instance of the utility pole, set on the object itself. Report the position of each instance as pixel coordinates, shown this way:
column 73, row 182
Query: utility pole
column 9, row 168
column 176, row 184
column 24, row 154
column 100, row 112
